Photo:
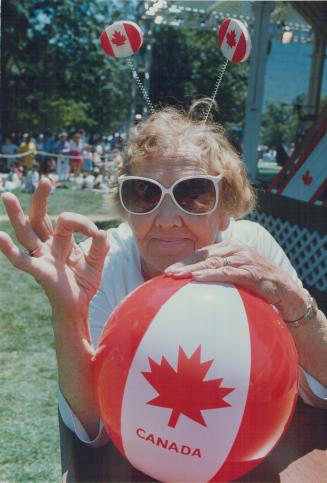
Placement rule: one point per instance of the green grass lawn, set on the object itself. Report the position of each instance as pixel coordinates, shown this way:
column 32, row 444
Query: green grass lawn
column 28, row 412
column 81, row 201
column 29, row 450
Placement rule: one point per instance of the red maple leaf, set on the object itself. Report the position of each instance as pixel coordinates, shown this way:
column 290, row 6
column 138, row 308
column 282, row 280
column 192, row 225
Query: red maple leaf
column 231, row 38
column 185, row 391
column 307, row 178
column 118, row 39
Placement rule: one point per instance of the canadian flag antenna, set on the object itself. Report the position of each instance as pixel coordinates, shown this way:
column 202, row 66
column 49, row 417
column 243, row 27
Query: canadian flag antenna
column 235, row 44
column 124, row 39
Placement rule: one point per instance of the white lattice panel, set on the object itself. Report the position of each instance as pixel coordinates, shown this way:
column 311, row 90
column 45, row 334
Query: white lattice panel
column 307, row 250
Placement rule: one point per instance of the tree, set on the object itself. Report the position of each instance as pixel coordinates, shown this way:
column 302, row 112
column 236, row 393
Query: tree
column 55, row 75
column 52, row 59
column 185, row 68
column 279, row 124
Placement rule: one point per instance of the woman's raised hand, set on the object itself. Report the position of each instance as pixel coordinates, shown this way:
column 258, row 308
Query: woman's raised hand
column 69, row 276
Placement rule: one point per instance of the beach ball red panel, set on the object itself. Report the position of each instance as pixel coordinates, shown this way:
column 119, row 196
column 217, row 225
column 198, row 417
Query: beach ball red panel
column 195, row 381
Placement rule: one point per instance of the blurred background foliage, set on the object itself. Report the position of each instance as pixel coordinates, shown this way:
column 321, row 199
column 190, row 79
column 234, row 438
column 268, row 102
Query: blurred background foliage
column 185, row 68
column 279, row 124
column 55, row 75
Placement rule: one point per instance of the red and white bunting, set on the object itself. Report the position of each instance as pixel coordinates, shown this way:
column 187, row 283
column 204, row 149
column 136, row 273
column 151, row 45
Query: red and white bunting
column 308, row 181
column 234, row 40
column 121, row 39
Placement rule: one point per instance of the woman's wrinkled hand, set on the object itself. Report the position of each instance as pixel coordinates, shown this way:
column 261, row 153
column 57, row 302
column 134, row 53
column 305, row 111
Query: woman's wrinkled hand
column 69, row 276
column 231, row 262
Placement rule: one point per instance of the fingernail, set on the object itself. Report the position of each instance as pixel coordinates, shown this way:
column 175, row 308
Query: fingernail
column 93, row 230
column 176, row 270
column 175, row 267
column 197, row 274
column 169, row 269
column 181, row 275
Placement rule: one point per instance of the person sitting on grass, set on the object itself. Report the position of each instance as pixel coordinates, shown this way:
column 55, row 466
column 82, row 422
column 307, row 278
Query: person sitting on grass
column 32, row 179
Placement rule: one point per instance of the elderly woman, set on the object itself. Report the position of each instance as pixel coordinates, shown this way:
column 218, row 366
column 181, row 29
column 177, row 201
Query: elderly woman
column 183, row 191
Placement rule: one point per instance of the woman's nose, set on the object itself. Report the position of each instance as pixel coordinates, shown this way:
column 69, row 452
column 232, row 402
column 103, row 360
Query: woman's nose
column 168, row 214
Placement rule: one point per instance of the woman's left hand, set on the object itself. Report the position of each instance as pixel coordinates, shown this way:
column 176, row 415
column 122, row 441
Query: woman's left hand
column 231, row 262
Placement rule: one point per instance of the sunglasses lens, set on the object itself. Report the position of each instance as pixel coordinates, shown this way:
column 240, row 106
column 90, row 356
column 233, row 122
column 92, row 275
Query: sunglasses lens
column 140, row 196
column 196, row 195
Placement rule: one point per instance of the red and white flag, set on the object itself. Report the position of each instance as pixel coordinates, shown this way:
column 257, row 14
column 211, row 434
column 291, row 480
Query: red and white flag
column 121, row 39
column 234, row 40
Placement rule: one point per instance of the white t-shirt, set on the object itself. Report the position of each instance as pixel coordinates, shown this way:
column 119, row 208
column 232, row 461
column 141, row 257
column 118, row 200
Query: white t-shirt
column 122, row 274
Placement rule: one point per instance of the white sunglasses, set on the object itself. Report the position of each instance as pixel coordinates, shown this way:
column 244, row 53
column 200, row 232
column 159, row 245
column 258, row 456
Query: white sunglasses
column 194, row 195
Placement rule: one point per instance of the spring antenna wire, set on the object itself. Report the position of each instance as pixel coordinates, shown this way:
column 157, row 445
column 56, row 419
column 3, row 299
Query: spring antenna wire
column 217, row 85
column 140, row 85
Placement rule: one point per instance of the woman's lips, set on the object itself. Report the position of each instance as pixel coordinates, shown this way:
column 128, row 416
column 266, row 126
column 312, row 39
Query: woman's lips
column 170, row 242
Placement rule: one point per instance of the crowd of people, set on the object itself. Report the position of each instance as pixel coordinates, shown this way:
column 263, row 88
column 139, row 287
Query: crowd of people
column 92, row 162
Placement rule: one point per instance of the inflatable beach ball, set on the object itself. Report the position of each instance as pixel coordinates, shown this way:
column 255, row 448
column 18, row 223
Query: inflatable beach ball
column 195, row 381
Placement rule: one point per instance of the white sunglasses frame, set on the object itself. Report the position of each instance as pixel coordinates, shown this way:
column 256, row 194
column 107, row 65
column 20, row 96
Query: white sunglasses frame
column 215, row 179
